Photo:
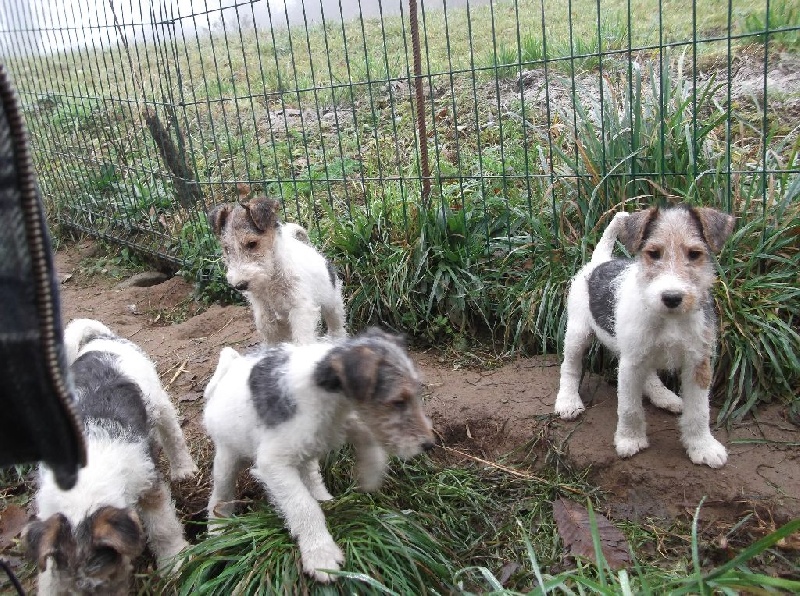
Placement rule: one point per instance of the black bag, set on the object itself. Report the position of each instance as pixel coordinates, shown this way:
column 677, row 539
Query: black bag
column 38, row 421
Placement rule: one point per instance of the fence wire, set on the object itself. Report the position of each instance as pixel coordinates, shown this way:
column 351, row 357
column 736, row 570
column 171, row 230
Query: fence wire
column 143, row 114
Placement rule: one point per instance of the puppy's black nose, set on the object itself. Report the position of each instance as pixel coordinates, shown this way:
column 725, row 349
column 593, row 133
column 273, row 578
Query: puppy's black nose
column 428, row 445
column 241, row 286
column 671, row 299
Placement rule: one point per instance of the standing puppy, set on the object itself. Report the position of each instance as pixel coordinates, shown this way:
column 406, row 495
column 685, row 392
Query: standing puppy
column 284, row 407
column 285, row 280
column 85, row 539
column 657, row 313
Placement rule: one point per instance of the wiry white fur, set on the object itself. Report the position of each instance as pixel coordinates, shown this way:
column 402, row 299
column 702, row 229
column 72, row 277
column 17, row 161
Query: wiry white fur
column 116, row 474
column 286, row 457
column 135, row 365
column 120, row 469
column 303, row 269
column 647, row 339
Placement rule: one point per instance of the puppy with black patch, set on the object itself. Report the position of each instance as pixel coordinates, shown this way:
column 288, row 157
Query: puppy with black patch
column 656, row 312
column 84, row 540
column 283, row 407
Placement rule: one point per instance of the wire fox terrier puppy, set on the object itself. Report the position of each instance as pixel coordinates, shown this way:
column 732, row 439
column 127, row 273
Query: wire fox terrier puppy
column 283, row 407
column 285, row 280
column 85, row 539
column 657, row 313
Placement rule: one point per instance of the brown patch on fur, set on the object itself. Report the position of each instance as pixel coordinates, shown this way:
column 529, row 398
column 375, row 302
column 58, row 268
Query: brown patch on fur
column 244, row 191
column 702, row 373
column 398, row 419
column 237, row 229
column 152, row 499
column 118, row 529
column 217, row 217
column 716, row 226
column 51, row 537
column 264, row 213
column 636, row 229
column 356, row 370
column 689, row 302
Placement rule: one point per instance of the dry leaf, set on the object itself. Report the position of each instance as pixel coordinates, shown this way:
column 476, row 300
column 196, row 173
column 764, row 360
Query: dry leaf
column 506, row 572
column 12, row 520
column 572, row 520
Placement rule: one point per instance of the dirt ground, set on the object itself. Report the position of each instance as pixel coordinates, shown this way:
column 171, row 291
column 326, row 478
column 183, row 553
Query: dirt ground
column 482, row 413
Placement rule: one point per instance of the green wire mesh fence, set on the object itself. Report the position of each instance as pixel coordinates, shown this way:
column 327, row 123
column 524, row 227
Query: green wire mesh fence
column 538, row 116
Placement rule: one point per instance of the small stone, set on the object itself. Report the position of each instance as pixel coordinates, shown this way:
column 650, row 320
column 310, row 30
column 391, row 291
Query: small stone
column 145, row 279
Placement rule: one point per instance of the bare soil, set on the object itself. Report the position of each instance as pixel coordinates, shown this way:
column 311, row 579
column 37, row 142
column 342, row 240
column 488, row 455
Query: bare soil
column 478, row 413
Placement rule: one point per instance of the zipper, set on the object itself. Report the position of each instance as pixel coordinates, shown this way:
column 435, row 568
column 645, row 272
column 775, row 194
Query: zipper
column 39, row 247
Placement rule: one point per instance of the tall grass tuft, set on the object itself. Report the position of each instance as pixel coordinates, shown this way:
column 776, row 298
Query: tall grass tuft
column 782, row 26
column 387, row 551
column 641, row 143
column 759, row 300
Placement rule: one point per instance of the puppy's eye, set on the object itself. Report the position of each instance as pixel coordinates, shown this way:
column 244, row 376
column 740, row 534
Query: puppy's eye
column 251, row 245
column 654, row 254
column 399, row 404
column 695, row 254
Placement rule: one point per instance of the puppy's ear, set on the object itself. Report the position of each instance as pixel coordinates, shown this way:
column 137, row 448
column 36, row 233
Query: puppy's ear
column 117, row 529
column 264, row 213
column 637, row 229
column 217, row 218
column 49, row 538
column 377, row 332
column 244, row 191
column 354, row 371
column 716, row 226
column 300, row 233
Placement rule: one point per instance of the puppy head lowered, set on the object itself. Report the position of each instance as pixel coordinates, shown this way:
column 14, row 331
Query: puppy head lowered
column 374, row 370
column 93, row 558
column 247, row 233
column 674, row 248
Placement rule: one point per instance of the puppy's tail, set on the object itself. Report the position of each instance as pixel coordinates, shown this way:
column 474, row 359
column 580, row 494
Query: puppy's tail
column 297, row 232
column 226, row 358
column 80, row 332
column 605, row 247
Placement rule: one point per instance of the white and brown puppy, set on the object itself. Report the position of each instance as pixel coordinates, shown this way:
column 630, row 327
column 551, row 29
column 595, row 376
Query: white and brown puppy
column 286, row 281
column 283, row 407
column 85, row 539
column 657, row 313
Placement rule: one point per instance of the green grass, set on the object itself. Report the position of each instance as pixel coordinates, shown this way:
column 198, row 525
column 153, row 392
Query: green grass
column 784, row 17
column 445, row 530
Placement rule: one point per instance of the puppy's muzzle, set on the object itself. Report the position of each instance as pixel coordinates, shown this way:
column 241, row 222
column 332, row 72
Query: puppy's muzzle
column 427, row 446
column 242, row 286
column 672, row 299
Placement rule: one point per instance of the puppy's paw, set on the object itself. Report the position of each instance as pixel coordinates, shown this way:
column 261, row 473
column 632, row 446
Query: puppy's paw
column 369, row 483
column 183, row 471
column 170, row 560
column 628, row 446
column 322, row 558
column 568, row 405
column 320, row 493
column 666, row 400
column 709, row 452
